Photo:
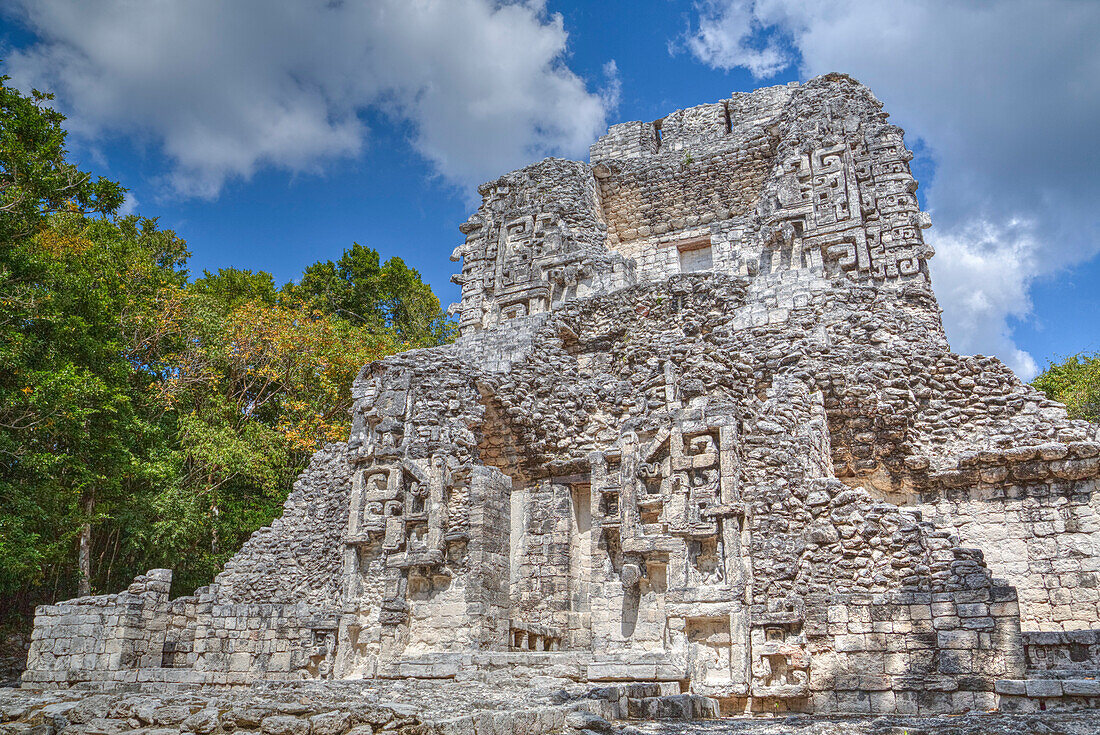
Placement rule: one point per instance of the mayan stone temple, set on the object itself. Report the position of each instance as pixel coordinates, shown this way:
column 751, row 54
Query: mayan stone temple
column 702, row 436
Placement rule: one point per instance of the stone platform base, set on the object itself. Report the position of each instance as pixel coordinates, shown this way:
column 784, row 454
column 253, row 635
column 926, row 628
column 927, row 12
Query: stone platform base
column 435, row 707
column 413, row 707
column 992, row 723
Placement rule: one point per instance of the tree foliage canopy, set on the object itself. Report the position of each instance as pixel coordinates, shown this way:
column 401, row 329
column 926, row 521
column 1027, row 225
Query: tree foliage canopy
column 147, row 419
column 35, row 178
column 1076, row 383
column 362, row 290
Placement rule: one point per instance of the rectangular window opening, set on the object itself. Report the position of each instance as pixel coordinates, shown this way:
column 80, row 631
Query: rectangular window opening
column 696, row 256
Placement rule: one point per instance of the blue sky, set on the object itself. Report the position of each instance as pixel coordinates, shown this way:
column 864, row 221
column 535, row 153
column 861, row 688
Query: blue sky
column 269, row 140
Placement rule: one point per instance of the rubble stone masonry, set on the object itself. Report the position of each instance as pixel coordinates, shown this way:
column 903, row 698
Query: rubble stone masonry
column 702, row 426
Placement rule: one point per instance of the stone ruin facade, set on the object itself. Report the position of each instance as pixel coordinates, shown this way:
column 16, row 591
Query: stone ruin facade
column 702, row 427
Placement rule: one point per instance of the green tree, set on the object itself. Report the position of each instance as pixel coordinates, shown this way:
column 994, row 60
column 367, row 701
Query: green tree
column 1076, row 383
column 231, row 287
column 56, row 389
column 255, row 389
column 75, row 441
column 361, row 289
column 35, row 178
column 146, row 420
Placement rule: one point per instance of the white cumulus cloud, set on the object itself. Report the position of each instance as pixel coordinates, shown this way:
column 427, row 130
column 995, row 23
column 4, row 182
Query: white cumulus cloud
column 1003, row 94
column 227, row 88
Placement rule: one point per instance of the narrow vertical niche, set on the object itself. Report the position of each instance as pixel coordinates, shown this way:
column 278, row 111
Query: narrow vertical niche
column 580, row 546
column 582, row 512
column 765, row 261
column 517, row 502
column 729, row 120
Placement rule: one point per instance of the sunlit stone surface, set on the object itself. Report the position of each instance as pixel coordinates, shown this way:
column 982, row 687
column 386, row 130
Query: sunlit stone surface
column 702, row 433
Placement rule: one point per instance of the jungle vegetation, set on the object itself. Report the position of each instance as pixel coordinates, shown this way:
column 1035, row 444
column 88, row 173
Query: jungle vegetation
column 148, row 418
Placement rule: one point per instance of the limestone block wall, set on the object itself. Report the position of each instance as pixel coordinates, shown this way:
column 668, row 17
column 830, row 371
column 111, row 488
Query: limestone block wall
column 360, row 631
column 654, row 196
column 626, row 140
column 426, row 560
column 541, row 585
column 237, row 643
column 299, row 557
column 696, row 129
column 632, row 624
column 434, row 614
column 1043, row 537
column 470, row 610
column 904, row 414
column 702, row 425
column 139, row 636
column 494, row 350
column 269, row 614
column 697, row 126
column 910, row 652
column 182, row 627
column 866, row 600
column 751, row 109
column 423, row 401
column 106, row 637
column 489, row 599
column 813, row 535
column 833, row 196
column 976, row 404
column 714, row 246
